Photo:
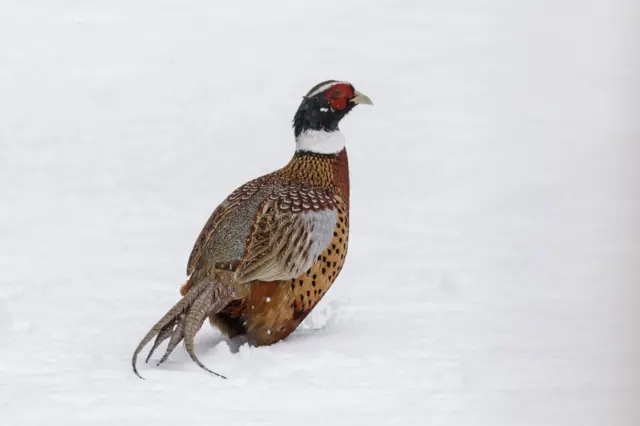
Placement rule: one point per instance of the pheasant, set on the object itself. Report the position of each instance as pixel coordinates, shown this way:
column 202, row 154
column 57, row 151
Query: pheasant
column 271, row 249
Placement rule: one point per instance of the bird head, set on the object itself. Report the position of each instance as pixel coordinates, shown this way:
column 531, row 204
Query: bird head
column 325, row 105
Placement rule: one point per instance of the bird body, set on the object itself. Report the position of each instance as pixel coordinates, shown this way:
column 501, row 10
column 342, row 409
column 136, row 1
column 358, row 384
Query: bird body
column 272, row 249
column 310, row 194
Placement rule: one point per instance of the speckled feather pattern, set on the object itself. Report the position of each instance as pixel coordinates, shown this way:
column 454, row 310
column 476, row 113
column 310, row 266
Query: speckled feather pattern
column 294, row 208
column 231, row 206
column 272, row 312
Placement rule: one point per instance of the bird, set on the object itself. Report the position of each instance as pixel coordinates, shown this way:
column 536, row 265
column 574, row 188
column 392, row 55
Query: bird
column 271, row 250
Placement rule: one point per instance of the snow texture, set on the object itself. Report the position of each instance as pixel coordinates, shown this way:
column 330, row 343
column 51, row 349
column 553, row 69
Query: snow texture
column 490, row 277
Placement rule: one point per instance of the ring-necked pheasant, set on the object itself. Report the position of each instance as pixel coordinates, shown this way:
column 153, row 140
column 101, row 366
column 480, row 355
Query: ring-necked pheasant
column 271, row 250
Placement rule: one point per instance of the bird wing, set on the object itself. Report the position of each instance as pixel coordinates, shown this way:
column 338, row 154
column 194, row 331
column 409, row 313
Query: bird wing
column 239, row 196
column 294, row 225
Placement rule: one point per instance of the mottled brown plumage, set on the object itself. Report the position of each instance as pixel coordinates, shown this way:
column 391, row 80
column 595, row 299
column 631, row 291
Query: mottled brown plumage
column 273, row 248
column 273, row 310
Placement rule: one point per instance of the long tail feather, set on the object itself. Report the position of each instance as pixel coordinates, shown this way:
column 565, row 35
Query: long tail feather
column 176, row 338
column 164, row 334
column 195, row 318
column 169, row 317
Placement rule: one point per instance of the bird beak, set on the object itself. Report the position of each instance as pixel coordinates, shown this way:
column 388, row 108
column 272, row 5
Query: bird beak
column 361, row 98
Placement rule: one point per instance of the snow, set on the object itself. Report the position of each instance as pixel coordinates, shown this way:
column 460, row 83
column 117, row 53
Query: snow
column 491, row 276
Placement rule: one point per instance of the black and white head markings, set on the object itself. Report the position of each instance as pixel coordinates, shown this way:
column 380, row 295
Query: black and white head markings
column 316, row 122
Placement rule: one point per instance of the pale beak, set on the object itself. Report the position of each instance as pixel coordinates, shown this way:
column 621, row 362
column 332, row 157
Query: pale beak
column 361, row 98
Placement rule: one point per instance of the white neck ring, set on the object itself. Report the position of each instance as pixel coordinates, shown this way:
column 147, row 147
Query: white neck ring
column 320, row 141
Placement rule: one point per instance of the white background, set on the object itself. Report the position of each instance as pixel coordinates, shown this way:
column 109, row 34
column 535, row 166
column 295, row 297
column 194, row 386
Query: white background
column 491, row 273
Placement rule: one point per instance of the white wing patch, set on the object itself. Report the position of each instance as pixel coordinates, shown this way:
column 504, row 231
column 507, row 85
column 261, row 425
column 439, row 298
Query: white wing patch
column 289, row 248
column 321, row 224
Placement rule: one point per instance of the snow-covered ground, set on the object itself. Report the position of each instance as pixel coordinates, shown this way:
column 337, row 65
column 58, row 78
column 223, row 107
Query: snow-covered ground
column 492, row 267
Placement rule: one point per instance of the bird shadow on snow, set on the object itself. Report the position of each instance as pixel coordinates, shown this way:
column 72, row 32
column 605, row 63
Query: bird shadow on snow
column 323, row 318
column 211, row 342
column 213, row 348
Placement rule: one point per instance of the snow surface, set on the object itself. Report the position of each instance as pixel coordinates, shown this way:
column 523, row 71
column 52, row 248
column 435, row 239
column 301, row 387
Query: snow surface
column 491, row 273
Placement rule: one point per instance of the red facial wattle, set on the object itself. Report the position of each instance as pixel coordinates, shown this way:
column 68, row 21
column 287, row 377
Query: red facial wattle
column 339, row 95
